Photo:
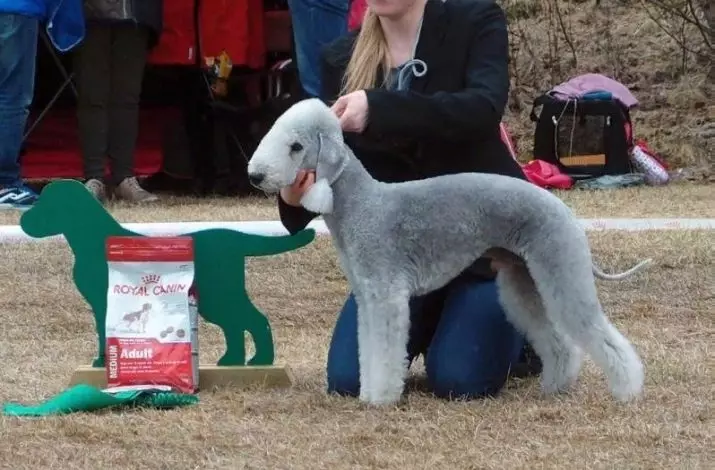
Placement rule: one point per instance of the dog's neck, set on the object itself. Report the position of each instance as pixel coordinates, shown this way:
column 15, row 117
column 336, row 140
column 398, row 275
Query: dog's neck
column 353, row 181
column 354, row 178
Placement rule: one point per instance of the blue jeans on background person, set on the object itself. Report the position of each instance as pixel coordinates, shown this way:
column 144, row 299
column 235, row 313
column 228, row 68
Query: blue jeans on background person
column 469, row 355
column 315, row 24
column 18, row 40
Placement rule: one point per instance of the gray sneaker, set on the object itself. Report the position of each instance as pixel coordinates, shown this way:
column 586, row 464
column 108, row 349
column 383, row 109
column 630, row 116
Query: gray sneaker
column 97, row 188
column 130, row 190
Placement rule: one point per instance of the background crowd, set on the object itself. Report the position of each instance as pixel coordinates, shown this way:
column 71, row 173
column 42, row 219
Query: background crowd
column 109, row 41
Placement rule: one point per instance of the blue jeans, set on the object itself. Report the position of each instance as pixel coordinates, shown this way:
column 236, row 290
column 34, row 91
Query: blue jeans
column 469, row 349
column 18, row 49
column 315, row 24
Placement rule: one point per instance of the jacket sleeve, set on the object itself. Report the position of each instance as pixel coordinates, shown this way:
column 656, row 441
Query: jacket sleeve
column 458, row 115
column 295, row 219
column 65, row 24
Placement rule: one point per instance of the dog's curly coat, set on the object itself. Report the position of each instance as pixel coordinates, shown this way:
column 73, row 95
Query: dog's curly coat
column 400, row 240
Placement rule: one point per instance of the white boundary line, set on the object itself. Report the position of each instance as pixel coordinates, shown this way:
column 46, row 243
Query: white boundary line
column 11, row 234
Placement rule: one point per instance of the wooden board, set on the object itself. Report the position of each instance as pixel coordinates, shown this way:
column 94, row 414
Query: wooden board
column 210, row 376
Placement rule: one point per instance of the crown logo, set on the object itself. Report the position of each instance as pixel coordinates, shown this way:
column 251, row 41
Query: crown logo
column 151, row 279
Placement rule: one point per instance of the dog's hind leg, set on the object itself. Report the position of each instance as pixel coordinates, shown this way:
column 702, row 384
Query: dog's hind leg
column 383, row 333
column 567, row 287
column 524, row 308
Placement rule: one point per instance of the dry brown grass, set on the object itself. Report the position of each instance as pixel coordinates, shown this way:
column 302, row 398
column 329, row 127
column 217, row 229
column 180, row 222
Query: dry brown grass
column 667, row 312
column 676, row 200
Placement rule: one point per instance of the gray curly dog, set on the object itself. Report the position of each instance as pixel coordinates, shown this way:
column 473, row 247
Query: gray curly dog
column 400, row 240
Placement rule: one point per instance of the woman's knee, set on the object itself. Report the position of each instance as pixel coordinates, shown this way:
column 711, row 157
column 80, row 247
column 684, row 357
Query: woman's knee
column 454, row 379
column 456, row 383
column 474, row 346
column 343, row 368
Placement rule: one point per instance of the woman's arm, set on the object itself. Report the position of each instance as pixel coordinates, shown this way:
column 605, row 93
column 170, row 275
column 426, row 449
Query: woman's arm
column 473, row 110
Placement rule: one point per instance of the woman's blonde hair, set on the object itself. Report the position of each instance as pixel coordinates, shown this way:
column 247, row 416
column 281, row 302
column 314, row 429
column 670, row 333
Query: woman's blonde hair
column 368, row 57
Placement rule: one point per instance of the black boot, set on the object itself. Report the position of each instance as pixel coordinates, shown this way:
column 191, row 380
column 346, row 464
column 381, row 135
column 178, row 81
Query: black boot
column 529, row 363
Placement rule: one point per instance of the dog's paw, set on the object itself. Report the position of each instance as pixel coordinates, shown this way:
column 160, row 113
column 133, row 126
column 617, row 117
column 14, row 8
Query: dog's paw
column 630, row 387
column 555, row 383
column 568, row 366
column 382, row 396
column 381, row 401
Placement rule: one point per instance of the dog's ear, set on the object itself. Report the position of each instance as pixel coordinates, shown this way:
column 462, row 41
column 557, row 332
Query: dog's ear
column 330, row 164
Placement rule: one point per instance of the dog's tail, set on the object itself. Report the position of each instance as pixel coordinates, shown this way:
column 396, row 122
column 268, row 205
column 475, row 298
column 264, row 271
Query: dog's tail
column 619, row 276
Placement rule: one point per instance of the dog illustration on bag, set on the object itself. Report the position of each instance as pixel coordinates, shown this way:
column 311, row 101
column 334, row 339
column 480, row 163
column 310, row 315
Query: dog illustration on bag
column 139, row 316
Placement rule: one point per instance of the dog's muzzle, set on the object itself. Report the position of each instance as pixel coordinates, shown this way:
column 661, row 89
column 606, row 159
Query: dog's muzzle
column 256, row 179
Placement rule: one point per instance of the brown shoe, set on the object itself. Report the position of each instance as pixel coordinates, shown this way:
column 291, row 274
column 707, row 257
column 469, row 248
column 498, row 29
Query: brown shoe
column 97, row 188
column 129, row 190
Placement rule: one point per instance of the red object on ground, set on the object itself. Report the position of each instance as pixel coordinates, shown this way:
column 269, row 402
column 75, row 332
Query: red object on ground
column 546, row 175
column 52, row 150
column 236, row 27
column 538, row 172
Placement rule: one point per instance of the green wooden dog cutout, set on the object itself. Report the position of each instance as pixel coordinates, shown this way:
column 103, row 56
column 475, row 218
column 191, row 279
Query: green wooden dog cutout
column 67, row 208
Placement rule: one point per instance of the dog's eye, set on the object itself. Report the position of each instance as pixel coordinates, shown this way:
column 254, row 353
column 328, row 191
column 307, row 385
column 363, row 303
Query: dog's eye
column 296, row 147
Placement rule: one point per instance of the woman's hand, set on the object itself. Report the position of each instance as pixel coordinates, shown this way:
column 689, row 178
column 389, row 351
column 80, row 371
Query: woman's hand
column 352, row 111
column 292, row 194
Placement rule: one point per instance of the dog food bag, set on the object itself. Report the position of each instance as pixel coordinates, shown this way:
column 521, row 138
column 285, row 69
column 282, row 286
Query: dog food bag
column 152, row 319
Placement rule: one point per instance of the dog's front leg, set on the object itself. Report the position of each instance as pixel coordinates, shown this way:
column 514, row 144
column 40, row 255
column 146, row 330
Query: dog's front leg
column 383, row 333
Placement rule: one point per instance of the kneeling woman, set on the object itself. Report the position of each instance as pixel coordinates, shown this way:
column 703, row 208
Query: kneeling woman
column 420, row 90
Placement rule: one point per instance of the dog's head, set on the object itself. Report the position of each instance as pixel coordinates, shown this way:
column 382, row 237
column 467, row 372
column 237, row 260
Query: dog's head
column 305, row 137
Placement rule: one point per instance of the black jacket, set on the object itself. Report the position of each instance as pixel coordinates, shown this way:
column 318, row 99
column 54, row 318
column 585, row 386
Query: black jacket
column 448, row 121
column 147, row 13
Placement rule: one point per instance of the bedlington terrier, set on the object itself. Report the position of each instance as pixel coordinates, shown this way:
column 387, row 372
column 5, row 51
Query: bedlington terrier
column 400, row 240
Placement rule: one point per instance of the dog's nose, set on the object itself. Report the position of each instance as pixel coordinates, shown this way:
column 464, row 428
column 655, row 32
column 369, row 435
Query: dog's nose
column 256, row 178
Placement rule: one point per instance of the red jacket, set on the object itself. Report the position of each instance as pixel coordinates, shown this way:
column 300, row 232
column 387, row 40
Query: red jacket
column 233, row 25
column 356, row 14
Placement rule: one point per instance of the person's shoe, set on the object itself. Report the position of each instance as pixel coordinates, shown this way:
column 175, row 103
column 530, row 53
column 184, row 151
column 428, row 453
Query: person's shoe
column 130, row 190
column 97, row 188
column 17, row 197
column 529, row 363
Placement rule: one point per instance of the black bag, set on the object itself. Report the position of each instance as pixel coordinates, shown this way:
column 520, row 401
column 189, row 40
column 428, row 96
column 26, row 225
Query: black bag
column 584, row 138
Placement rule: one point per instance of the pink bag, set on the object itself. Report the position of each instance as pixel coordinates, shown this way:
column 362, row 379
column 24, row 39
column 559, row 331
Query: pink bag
column 546, row 175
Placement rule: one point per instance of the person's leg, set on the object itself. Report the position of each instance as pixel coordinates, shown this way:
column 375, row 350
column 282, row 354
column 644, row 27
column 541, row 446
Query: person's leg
column 315, row 23
column 129, row 55
column 18, row 40
column 474, row 347
column 91, row 66
column 343, row 370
